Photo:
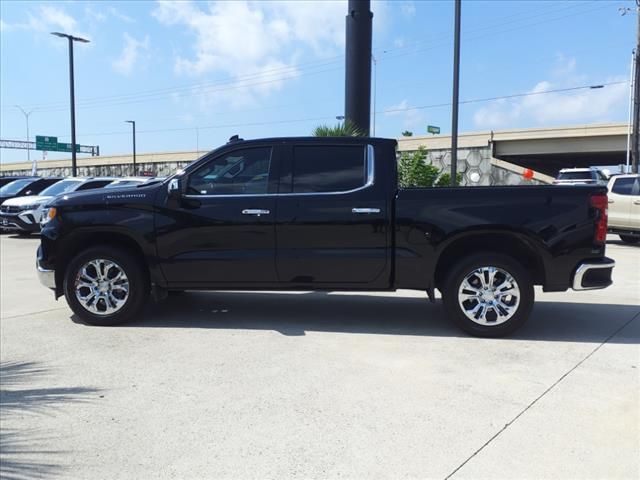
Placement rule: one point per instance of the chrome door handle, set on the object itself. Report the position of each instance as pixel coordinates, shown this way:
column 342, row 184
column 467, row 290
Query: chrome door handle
column 365, row 210
column 255, row 211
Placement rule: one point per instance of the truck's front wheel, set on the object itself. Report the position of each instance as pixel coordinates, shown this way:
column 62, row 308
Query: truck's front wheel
column 488, row 295
column 106, row 286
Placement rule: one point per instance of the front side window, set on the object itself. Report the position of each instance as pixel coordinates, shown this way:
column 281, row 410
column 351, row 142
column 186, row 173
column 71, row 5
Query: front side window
column 623, row 186
column 328, row 168
column 239, row 172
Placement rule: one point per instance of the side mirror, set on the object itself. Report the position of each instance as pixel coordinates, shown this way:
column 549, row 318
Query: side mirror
column 174, row 188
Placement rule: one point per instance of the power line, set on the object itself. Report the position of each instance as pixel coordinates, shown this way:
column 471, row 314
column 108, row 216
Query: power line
column 332, row 117
column 505, row 97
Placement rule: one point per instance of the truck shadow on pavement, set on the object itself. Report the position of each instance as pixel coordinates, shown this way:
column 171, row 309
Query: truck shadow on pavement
column 27, row 453
column 297, row 313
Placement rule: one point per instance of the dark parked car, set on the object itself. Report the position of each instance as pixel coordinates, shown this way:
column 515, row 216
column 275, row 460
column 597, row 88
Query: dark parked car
column 23, row 214
column 5, row 180
column 25, row 186
column 323, row 214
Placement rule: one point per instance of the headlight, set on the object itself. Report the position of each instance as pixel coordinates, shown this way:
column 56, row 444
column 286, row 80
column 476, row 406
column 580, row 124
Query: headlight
column 49, row 215
column 33, row 206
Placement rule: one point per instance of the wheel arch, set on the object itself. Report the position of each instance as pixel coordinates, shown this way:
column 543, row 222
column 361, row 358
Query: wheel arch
column 512, row 244
column 82, row 240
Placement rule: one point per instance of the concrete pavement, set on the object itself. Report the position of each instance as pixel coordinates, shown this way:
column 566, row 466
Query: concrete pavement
column 317, row 385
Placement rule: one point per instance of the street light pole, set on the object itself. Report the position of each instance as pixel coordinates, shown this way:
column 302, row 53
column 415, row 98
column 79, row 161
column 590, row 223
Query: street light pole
column 26, row 117
column 72, row 39
column 133, row 124
column 456, row 96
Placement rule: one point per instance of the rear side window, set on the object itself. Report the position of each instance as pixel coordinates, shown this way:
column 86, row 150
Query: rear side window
column 328, row 168
column 575, row 176
column 623, row 186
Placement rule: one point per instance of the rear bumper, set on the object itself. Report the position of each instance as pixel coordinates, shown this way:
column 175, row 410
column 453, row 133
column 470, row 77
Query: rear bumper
column 593, row 274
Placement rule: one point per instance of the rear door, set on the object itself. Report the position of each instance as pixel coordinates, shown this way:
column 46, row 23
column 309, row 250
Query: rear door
column 332, row 219
column 222, row 233
column 620, row 202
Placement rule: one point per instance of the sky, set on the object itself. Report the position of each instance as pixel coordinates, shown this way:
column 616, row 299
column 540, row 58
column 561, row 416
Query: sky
column 193, row 73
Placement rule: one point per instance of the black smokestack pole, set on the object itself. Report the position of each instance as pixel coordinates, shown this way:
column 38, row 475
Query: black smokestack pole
column 357, row 100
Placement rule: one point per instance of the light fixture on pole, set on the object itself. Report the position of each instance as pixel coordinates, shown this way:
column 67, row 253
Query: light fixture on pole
column 26, row 117
column 133, row 124
column 72, row 39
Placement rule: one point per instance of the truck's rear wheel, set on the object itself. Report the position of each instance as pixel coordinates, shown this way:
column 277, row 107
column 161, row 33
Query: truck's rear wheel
column 106, row 286
column 488, row 295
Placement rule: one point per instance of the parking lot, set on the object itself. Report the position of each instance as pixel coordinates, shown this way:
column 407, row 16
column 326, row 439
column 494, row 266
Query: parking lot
column 318, row 385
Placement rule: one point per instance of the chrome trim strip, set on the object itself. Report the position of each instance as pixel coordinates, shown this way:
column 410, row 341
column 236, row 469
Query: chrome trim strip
column 370, row 161
column 582, row 270
column 46, row 277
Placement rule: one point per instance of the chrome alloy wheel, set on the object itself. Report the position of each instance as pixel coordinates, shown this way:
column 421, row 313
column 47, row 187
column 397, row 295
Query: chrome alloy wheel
column 489, row 296
column 101, row 287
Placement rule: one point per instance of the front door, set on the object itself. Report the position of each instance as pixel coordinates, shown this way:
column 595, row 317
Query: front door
column 222, row 233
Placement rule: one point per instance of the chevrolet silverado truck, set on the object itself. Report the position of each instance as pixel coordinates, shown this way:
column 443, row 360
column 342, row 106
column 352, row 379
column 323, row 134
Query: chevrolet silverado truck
column 322, row 214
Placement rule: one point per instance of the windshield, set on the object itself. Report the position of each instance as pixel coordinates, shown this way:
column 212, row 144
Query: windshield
column 60, row 187
column 14, row 187
column 575, row 176
column 124, row 183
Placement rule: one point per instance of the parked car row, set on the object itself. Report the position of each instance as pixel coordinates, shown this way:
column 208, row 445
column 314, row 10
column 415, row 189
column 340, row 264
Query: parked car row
column 23, row 201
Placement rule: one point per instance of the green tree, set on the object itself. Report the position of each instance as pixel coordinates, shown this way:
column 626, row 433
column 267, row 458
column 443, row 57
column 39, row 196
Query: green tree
column 414, row 172
column 407, row 133
column 343, row 129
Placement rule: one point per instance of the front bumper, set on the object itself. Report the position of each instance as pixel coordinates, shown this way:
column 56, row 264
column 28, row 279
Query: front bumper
column 47, row 277
column 26, row 221
column 593, row 274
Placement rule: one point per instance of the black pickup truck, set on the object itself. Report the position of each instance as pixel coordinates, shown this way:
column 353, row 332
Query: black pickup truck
column 322, row 214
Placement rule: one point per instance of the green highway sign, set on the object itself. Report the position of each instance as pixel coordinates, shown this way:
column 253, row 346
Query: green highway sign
column 49, row 144
column 433, row 129
column 66, row 147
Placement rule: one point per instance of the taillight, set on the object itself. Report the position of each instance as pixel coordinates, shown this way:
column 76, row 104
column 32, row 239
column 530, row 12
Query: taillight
column 601, row 204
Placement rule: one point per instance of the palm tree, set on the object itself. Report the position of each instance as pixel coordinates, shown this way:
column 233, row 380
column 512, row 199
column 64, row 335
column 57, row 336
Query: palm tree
column 343, row 129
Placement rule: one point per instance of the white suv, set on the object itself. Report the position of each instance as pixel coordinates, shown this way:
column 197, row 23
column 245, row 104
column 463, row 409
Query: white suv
column 581, row 176
column 624, row 207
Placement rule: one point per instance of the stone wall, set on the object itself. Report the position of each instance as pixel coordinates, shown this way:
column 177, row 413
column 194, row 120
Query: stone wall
column 479, row 168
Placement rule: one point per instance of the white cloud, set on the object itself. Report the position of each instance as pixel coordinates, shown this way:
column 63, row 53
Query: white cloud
column 115, row 13
column 413, row 119
column 579, row 106
column 130, row 54
column 255, row 43
column 408, row 9
column 47, row 19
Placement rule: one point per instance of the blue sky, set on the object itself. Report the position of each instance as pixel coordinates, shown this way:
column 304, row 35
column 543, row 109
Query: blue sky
column 194, row 73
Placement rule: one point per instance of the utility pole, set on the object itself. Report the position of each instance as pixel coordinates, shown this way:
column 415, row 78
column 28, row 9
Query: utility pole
column 72, row 95
column 635, row 148
column 456, row 96
column 133, row 123
column 357, row 94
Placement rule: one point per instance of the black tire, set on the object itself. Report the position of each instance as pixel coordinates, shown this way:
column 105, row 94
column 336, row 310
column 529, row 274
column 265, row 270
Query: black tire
column 630, row 238
column 137, row 277
column 466, row 266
